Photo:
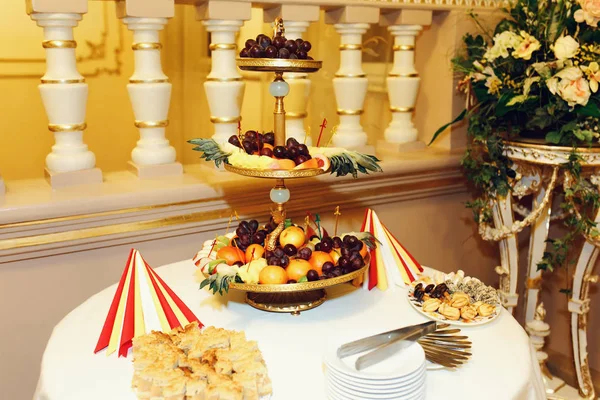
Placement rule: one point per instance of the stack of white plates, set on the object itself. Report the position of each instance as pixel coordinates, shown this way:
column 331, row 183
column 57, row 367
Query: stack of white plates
column 400, row 377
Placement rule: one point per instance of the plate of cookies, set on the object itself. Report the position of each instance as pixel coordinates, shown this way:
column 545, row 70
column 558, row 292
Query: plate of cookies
column 455, row 299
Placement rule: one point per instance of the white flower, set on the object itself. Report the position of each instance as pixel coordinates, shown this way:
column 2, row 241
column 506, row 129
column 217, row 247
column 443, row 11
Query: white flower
column 565, row 47
column 571, row 86
column 528, row 45
column 502, row 43
column 492, row 82
column 592, row 72
column 589, row 12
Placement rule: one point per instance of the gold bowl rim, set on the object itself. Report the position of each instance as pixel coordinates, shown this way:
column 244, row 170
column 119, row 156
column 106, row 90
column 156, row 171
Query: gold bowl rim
column 278, row 65
column 299, row 287
column 275, row 173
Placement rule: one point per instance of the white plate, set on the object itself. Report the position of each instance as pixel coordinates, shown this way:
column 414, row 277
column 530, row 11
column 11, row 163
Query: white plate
column 374, row 385
column 402, row 364
column 339, row 395
column 376, row 393
column 439, row 317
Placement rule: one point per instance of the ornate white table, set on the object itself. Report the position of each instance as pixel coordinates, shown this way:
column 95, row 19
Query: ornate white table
column 503, row 365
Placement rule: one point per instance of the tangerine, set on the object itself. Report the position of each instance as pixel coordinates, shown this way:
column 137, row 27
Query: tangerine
column 231, row 255
column 317, row 259
column 364, row 250
column 272, row 274
column 254, row 252
column 312, row 163
column 298, row 268
column 284, row 163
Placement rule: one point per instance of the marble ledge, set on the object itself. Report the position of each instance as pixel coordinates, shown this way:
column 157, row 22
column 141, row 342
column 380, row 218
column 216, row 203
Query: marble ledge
column 30, row 200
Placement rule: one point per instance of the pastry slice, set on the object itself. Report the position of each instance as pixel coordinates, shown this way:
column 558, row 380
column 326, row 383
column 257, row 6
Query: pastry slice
column 249, row 384
column 196, row 389
column 175, row 389
column 225, row 390
column 223, row 367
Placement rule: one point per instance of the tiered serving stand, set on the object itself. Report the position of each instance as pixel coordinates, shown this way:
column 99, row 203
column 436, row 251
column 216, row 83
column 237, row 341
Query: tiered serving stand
column 296, row 297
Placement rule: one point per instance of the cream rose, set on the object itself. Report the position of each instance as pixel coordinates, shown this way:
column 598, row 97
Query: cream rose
column 528, row 45
column 592, row 73
column 565, row 47
column 502, row 43
column 571, row 86
column 589, row 12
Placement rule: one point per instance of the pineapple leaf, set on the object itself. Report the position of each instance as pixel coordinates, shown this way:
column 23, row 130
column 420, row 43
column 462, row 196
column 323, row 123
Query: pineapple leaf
column 210, row 150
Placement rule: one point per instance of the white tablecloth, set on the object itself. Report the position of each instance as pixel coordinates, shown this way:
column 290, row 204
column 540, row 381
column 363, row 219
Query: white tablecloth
column 503, row 365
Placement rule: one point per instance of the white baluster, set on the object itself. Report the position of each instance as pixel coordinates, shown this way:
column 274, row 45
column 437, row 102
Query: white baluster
column 403, row 85
column 64, row 95
column 150, row 93
column 350, row 85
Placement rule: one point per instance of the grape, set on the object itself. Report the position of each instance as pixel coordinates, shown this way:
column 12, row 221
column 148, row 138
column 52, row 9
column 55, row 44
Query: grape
column 250, row 43
column 357, row 263
column 336, row 272
column 256, row 51
column 278, row 252
column 250, row 135
column 305, row 253
column 290, row 249
column 312, row 275
column 355, row 254
column 279, row 42
column 344, row 262
column 337, row 242
column 291, row 142
column 300, row 159
column 273, row 260
column 258, row 237
column 327, row 267
column 244, row 53
column 283, row 53
column 345, row 252
column 269, row 138
column 245, row 225
column 299, row 41
column 291, row 45
column 318, row 247
column 292, row 152
column 352, row 241
column 285, row 261
column 268, row 254
column 266, row 152
column 325, row 246
column 346, row 270
column 271, row 52
column 302, row 55
column 253, row 225
column 241, row 231
column 248, row 146
column 302, row 150
column 234, row 140
column 291, row 280
column 244, row 239
column 293, row 56
column 328, row 240
column 305, row 46
column 259, row 37
column 280, row 152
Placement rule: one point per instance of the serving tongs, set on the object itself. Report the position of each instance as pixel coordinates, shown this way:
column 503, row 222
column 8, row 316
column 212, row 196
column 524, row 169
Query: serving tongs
column 441, row 345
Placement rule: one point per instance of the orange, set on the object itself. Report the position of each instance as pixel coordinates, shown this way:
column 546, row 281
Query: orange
column 312, row 163
column 297, row 268
column 335, row 255
column 317, row 260
column 292, row 235
column 364, row 250
column 284, row 163
column 323, row 162
column 231, row 255
column 273, row 274
column 254, row 252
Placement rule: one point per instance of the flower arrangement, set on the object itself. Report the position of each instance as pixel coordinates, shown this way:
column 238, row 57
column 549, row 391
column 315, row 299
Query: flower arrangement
column 536, row 76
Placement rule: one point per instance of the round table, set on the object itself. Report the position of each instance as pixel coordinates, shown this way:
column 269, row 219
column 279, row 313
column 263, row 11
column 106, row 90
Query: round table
column 502, row 367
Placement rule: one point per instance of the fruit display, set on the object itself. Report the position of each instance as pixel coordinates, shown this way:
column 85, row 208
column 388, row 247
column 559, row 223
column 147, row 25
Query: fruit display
column 279, row 253
column 255, row 151
column 277, row 46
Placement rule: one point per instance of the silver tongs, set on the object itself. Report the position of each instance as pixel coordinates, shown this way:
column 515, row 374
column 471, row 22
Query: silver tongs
column 385, row 344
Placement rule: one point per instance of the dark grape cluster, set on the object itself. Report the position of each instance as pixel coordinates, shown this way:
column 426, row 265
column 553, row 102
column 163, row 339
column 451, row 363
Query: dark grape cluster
column 292, row 150
column 278, row 47
column 277, row 257
column 248, row 233
column 253, row 142
column 350, row 258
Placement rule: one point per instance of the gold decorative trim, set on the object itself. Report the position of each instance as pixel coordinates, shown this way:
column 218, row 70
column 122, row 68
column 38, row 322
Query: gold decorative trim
column 592, row 149
column 403, row 47
column 62, row 81
column 67, row 127
column 222, row 46
column 151, row 124
column 225, row 120
column 294, row 115
column 349, row 112
column 278, row 65
column 275, row 173
column 344, row 47
column 293, row 303
column 295, row 77
column 401, row 109
column 146, row 46
column 59, row 44
column 152, row 80
column 409, row 75
column 236, row 79
column 350, row 75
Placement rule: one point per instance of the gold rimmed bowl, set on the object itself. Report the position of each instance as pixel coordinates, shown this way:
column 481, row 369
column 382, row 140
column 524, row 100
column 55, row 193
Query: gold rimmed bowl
column 278, row 65
column 293, row 297
column 275, row 173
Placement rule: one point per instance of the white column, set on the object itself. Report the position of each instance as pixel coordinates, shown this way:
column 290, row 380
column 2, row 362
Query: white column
column 150, row 93
column 403, row 85
column 64, row 95
column 296, row 101
column 2, row 187
column 350, row 85
column 224, row 86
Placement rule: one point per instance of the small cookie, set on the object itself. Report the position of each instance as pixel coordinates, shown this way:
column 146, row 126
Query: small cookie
column 468, row 312
column 452, row 313
column 431, row 305
column 459, row 300
column 486, row 310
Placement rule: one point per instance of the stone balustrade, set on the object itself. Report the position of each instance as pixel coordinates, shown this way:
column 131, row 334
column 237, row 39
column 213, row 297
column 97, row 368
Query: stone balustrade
column 64, row 90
